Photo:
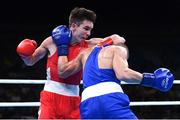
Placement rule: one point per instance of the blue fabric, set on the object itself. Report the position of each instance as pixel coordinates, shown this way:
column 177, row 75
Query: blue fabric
column 61, row 36
column 162, row 79
column 92, row 74
column 108, row 106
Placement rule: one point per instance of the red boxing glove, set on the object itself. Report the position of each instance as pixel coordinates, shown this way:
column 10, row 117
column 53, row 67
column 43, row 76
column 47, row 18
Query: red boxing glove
column 105, row 42
column 26, row 47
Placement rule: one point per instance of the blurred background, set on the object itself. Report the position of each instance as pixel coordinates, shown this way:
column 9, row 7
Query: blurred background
column 151, row 29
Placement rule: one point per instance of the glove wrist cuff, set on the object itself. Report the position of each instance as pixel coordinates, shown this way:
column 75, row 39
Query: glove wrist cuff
column 63, row 50
column 148, row 79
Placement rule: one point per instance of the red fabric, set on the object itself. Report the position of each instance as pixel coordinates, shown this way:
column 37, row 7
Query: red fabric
column 52, row 64
column 26, row 47
column 105, row 42
column 55, row 106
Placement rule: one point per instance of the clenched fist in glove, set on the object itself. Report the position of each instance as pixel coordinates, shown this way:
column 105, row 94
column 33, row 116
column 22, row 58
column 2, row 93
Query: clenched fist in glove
column 26, row 47
column 61, row 36
column 162, row 79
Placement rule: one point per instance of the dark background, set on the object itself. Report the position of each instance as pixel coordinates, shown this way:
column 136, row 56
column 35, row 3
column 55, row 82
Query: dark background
column 151, row 29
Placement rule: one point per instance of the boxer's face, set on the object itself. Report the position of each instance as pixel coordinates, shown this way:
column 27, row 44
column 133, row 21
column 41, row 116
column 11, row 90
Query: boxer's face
column 82, row 31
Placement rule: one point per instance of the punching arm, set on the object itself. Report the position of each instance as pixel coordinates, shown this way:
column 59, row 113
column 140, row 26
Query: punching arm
column 120, row 66
column 66, row 69
column 162, row 79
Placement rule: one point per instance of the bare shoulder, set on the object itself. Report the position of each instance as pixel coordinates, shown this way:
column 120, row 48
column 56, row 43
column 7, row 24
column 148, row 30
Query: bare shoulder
column 87, row 50
column 49, row 45
column 85, row 53
column 47, row 41
column 121, row 50
column 93, row 41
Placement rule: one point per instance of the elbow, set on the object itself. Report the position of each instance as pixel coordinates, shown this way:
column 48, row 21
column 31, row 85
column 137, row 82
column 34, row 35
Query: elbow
column 130, row 76
column 29, row 63
column 62, row 74
column 123, row 75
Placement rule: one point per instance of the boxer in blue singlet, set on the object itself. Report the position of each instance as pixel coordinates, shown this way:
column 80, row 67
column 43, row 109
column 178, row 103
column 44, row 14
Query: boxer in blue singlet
column 103, row 96
column 103, row 69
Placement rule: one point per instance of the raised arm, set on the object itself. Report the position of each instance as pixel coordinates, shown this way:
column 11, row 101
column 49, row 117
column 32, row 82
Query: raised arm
column 120, row 66
column 161, row 79
column 29, row 53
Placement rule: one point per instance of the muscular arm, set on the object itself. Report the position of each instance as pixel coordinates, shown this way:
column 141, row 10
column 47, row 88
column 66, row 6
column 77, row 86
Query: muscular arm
column 120, row 66
column 66, row 69
column 38, row 54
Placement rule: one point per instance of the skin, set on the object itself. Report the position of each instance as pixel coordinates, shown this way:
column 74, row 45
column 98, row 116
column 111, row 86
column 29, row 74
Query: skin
column 79, row 33
column 110, row 57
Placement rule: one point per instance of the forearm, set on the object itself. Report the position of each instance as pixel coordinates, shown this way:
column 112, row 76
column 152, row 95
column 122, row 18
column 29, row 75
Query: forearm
column 28, row 60
column 35, row 57
column 67, row 68
column 62, row 65
column 120, row 66
column 130, row 76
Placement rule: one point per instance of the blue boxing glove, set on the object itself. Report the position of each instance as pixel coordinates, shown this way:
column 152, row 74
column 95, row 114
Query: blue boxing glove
column 162, row 79
column 61, row 36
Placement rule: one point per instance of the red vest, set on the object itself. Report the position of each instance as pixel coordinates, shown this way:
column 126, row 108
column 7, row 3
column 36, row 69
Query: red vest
column 52, row 61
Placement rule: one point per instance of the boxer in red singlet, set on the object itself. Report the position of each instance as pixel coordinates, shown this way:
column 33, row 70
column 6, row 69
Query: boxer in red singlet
column 60, row 96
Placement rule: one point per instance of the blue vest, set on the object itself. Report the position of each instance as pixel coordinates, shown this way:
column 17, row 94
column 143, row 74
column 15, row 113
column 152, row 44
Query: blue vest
column 92, row 74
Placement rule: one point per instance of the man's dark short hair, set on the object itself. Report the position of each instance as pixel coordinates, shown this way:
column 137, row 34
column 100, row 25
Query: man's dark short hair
column 79, row 14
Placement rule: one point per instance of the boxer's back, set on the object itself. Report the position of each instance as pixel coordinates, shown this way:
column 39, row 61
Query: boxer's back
column 98, row 66
column 105, row 57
